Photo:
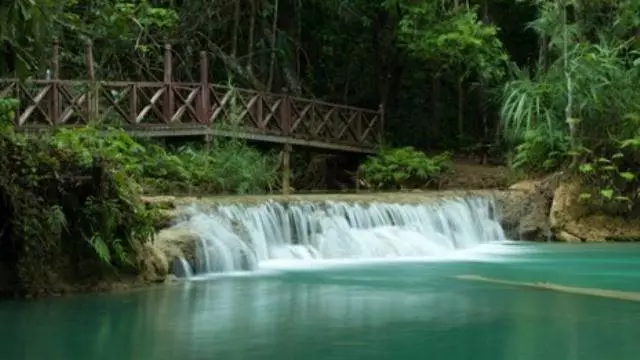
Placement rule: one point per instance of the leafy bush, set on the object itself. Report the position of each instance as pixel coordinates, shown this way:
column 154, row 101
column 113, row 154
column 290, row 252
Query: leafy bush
column 70, row 201
column 403, row 168
column 228, row 166
column 604, row 88
column 67, row 215
column 611, row 182
column 7, row 109
column 541, row 150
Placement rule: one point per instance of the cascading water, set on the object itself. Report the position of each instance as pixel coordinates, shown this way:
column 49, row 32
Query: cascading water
column 237, row 237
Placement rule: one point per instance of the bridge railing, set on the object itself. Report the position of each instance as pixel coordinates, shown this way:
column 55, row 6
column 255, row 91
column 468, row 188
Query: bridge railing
column 171, row 108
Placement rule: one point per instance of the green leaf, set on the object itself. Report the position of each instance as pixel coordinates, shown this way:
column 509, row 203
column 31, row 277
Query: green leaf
column 586, row 168
column 628, row 176
column 607, row 193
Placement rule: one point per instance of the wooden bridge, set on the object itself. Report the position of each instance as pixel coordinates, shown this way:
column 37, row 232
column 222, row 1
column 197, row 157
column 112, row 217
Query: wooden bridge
column 168, row 108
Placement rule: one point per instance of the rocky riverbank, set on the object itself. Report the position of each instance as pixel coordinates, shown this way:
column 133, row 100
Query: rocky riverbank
column 549, row 209
column 534, row 210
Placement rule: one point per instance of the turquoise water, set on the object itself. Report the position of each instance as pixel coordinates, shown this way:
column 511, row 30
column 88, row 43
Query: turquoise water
column 382, row 311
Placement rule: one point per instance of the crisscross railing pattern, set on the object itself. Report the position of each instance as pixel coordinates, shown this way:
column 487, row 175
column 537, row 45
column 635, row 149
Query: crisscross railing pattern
column 171, row 108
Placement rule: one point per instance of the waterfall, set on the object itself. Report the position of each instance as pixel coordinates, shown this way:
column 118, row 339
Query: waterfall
column 242, row 237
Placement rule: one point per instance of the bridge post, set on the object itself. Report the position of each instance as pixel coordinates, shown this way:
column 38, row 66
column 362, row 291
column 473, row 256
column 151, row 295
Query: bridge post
column 167, row 107
column 54, row 109
column 286, row 169
column 285, row 121
column 204, row 105
column 92, row 92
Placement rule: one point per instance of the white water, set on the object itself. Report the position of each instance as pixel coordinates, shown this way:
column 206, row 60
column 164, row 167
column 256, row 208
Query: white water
column 237, row 237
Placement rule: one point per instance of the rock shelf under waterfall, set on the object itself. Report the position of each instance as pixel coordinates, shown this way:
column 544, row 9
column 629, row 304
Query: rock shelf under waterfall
column 226, row 238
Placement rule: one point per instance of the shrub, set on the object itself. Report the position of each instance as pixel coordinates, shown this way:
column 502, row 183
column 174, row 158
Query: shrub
column 541, row 150
column 70, row 201
column 403, row 168
column 67, row 215
column 229, row 166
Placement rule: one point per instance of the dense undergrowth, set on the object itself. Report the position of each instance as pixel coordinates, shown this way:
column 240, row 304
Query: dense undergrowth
column 70, row 201
column 578, row 111
column 401, row 168
column 227, row 166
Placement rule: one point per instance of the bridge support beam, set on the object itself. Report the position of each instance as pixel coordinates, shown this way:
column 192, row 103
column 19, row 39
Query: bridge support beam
column 286, row 169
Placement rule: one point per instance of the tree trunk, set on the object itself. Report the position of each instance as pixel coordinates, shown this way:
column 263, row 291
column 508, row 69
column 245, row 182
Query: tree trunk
column 435, row 108
column 483, row 83
column 236, row 29
column 274, row 35
column 543, row 53
column 460, row 112
column 252, row 28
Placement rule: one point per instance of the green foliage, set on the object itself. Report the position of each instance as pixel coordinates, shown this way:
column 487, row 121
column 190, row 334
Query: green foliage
column 611, row 182
column 455, row 38
column 541, row 150
column 27, row 24
column 579, row 106
column 228, row 166
column 72, row 199
column 72, row 214
column 8, row 110
column 403, row 168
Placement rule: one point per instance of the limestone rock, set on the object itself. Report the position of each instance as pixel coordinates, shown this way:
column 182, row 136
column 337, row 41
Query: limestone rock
column 567, row 237
column 599, row 227
column 534, row 226
column 570, row 219
column 178, row 242
column 152, row 262
column 524, row 210
column 526, row 185
column 565, row 206
column 166, row 218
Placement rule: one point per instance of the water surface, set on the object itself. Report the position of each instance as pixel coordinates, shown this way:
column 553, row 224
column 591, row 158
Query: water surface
column 404, row 310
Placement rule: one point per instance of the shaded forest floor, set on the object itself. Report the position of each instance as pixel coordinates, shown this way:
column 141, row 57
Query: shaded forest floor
column 468, row 173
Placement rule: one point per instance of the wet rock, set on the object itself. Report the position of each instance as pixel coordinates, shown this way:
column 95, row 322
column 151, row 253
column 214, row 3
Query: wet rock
column 178, row 242
column 152, row 262
column 564, row 236
column 166, row 218
column 571, row 219
column 171, row 279
column 181, row 269
column 524, row 209
column 534, row 226
column 565, row 206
